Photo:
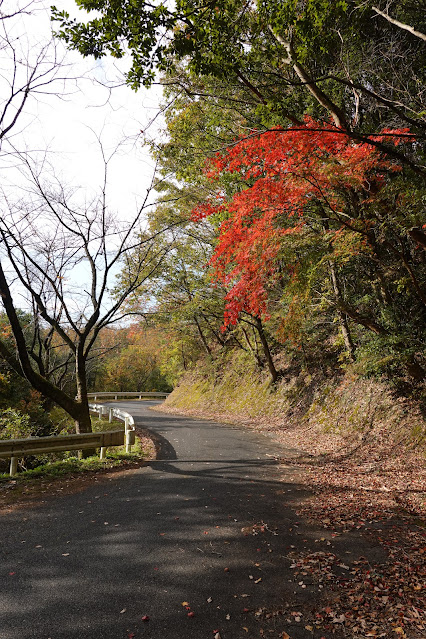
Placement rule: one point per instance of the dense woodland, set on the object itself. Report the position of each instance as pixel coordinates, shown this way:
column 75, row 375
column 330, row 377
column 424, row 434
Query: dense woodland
column 290, row 225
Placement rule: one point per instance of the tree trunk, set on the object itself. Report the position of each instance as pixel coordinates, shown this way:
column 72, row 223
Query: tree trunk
column 83, row 422
column 347, row 337
column 251, row 349
column 215, row 333
column 270, row 362
column 185, row 365
column 203, row 338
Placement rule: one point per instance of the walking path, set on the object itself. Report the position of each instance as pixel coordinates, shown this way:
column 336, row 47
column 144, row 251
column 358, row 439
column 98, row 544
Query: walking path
column 198, row 541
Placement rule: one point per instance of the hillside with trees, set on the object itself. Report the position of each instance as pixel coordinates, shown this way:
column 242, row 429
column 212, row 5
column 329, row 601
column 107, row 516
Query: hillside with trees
column 293, row 175
column 289, row 228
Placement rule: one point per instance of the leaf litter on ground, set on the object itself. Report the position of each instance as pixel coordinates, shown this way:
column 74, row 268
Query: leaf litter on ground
column 378, row 493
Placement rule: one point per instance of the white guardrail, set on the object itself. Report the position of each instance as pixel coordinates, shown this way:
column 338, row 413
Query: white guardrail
column 15, row 448
column 129, row 422
column 34, row 445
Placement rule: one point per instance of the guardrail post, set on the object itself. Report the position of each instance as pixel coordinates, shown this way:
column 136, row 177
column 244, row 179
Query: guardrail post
column 126, row 430
column 103, row 453
column 13, row 466
column 110, row 415
column 100, row 413
column 130, row 439
column 115, row 397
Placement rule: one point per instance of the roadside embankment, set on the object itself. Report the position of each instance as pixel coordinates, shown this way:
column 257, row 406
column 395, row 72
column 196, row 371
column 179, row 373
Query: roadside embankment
column 343, row 420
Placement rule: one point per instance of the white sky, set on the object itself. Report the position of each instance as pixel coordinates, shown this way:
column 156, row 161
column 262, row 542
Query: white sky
column 68, row 127
column 67, row 124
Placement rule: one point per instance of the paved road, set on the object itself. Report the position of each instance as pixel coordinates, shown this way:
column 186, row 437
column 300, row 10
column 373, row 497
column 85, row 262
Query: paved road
column 210, row 523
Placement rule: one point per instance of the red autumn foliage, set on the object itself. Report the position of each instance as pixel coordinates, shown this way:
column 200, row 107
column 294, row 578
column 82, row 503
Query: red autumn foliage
column 284, row 173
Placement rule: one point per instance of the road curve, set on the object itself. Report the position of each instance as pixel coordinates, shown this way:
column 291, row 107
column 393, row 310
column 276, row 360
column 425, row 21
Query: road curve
column 209, row 523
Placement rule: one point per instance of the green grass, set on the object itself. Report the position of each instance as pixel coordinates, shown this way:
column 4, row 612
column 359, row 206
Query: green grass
column 72, row 465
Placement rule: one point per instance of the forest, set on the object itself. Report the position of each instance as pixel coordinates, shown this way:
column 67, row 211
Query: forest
column 288, row 235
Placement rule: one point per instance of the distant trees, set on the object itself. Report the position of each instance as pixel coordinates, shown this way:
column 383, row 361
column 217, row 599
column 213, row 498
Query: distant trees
column 136, row 363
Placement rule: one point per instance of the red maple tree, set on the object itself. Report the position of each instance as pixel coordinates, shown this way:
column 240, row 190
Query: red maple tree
column 282, row 175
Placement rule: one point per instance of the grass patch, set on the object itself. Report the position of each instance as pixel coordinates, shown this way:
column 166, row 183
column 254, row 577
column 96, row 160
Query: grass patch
column 73, row 465
column 315, row 413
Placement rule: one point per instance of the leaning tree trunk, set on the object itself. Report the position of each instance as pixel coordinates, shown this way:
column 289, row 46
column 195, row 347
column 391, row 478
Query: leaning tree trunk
column 347, row 337
column 203, row 337
column 270, row 362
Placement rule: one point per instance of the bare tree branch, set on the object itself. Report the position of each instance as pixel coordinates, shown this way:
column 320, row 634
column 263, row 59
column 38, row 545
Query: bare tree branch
column 399, row 24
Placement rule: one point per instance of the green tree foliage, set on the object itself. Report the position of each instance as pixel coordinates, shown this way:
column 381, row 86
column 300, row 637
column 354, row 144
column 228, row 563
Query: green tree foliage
column 338, row 59
column 235, row 70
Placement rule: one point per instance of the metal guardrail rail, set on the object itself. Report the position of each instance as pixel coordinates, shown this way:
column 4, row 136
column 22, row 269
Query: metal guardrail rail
column 56, row 443
column 117, row 395
column 112, row 412
column 117, row 413
column 15, row 448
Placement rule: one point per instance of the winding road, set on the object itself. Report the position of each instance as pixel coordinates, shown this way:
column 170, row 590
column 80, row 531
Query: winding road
column 197, row 541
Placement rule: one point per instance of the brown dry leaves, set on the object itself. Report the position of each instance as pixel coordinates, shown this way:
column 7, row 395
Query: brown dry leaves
column 382, row 497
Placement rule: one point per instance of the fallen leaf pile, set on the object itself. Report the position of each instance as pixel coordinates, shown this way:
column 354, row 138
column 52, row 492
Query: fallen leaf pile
column 381, row 499
column 370, row 600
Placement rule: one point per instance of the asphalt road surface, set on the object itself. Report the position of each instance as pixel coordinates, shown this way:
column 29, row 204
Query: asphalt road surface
column 196, row 540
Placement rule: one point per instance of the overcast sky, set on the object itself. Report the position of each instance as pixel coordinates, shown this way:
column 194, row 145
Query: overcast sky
column 64, row 119
column 68, row 126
